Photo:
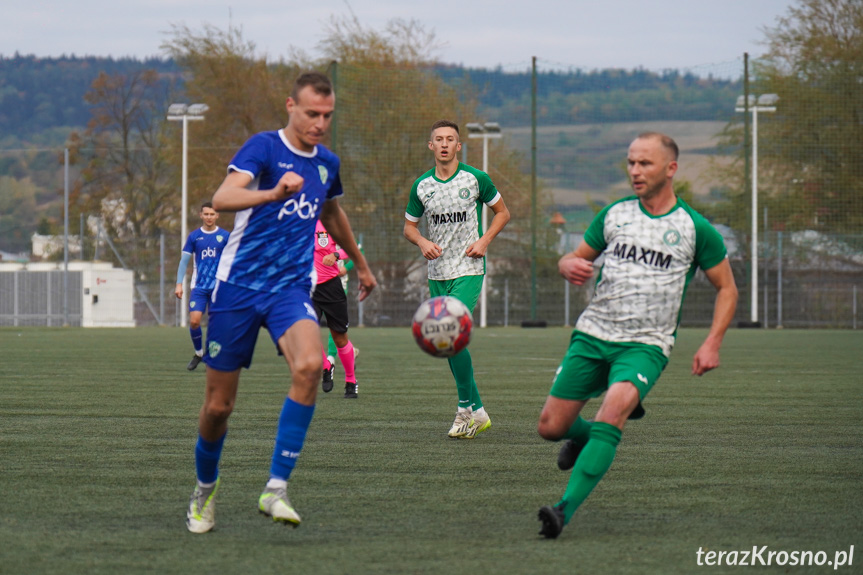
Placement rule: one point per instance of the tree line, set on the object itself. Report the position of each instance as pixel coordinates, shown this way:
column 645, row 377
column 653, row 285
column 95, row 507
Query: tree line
column 41, row 95
column 126, row 155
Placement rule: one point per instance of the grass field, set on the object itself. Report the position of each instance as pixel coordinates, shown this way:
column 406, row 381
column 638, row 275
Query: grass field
column 97, row 432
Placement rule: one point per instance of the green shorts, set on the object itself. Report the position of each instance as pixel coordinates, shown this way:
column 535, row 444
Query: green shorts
column 465, row 289
column 591, row 365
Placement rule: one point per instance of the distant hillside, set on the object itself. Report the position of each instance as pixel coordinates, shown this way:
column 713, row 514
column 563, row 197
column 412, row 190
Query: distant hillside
column 41, row 94
column 584, row 120
column 587, row 162
column 580, row 97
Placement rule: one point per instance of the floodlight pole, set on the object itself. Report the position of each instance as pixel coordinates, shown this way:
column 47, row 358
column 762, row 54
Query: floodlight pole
column 184, row 113
column 484, row 131
column 764, row 103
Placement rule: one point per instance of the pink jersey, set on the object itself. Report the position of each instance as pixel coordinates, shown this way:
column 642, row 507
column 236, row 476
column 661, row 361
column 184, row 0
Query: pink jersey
column 325, row 245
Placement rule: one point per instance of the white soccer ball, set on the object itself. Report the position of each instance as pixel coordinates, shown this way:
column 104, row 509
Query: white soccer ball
column 442, row 326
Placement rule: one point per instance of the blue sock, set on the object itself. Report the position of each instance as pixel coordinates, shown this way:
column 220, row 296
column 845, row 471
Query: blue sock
column 197, row 339
column 207, row 454
column 293, row 424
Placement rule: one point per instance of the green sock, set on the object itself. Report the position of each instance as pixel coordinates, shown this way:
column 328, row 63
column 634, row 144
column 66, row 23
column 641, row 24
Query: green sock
column 579, row 431
column 461, row 367
column 594, row 461
column 331, row 346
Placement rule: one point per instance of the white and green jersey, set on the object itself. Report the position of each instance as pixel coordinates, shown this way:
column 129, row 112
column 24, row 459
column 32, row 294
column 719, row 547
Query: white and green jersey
column 648, row 264
column 452, row 210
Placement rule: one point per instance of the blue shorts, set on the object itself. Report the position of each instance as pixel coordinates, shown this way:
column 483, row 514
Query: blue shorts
column 199, row 299
column 237, row 314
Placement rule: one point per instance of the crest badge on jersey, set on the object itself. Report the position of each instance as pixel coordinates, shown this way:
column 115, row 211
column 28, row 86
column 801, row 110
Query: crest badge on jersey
column 671, row 237
column 464, row 193
column 323, row 239
column 219, row 238
column 323, row 173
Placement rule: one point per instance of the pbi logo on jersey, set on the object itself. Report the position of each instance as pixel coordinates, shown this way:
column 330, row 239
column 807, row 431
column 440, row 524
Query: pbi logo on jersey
column 323, row 239
column 323, row 173
column 300, row 206
column 464, row 193
column 208, row 253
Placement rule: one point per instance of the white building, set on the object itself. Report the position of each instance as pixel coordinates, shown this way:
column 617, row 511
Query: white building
column 97, row 295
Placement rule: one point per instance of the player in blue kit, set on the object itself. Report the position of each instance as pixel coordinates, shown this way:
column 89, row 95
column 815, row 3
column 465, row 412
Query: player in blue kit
column 204, row 244
column 279, row 183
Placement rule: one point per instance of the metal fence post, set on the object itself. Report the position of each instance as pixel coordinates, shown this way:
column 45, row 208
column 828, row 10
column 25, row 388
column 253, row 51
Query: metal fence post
column 779, row 280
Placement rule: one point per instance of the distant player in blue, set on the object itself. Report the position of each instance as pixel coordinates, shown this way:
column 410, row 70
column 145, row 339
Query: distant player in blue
column 204, row 244
column 279, row 184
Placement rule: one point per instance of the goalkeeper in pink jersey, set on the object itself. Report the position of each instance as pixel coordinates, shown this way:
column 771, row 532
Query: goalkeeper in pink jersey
column 331, row 301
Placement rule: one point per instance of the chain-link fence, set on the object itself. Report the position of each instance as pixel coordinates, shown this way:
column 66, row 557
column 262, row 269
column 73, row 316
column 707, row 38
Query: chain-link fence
column 572, row 132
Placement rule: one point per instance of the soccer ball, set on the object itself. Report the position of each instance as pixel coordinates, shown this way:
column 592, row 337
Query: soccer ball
column 442, row 326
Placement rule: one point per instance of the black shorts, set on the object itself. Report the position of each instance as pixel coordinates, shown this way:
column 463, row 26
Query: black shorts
column 330, row 300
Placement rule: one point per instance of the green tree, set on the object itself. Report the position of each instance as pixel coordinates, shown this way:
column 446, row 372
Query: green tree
column 388, row 96
column 387, row 101
column 244, row 93
column 126, row 178
column 18, row 213
column 811, row 152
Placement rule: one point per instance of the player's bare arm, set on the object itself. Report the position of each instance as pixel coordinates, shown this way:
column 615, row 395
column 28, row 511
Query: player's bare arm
column 576, row 267
column 234, row 196
column 722, row 278
column 500, row 218
column 336, row 222
column 429, row 249
column 329, row 260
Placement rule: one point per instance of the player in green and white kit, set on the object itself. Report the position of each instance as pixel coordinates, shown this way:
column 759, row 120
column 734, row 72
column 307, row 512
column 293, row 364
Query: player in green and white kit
column 450, row 196
column 652, row 245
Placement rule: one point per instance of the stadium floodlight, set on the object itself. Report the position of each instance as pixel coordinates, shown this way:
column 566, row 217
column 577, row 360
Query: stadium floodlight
column 184, row 113
column 177, row 109
column 197, row 109
column 763, row 103
column 486, row 131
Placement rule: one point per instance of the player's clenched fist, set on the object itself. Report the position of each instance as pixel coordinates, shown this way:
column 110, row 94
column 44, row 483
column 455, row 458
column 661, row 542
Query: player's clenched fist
column 290, row 183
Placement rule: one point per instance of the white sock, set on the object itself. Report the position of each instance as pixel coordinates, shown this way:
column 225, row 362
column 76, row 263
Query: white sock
column 274, row 483
column 480, row 411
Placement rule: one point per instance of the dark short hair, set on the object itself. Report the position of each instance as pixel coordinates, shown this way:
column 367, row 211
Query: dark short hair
column 206, row 205
column 318, row 81
column 444, row 124
column 667, row 142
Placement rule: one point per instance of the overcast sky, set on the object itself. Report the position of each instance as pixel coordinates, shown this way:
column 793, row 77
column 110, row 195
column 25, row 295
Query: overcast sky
column 595, row 34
